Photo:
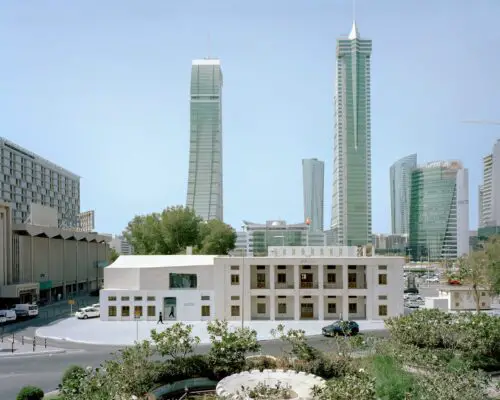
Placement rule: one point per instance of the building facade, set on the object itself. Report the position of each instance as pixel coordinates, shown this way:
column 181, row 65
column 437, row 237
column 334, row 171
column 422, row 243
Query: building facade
column 121, row 246
column 205, row 178
column 256, row 238
column 194, row 288
column 313, row 178
column 439, row 211
column 351, row 199
column 390, row 244
column 400, row 185
column 27, row 178
column 489, row 190
column 86, row 221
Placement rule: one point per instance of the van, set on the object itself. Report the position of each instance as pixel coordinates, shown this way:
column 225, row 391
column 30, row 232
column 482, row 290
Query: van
column 26, row 310
column 9, row 315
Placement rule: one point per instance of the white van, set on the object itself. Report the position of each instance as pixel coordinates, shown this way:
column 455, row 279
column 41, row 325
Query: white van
column 9, row 315
column 26, row 310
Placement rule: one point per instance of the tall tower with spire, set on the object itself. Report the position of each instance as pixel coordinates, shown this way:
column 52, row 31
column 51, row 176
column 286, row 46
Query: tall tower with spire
column 351, row 201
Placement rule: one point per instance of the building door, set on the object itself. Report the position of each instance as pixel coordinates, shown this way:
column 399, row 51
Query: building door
column 307, row 310
column 169, row 308
column 306, row 281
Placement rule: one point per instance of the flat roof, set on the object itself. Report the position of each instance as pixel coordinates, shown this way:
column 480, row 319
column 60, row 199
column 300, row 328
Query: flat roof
column 158, row 261
column 53, row 232
column 207, row 61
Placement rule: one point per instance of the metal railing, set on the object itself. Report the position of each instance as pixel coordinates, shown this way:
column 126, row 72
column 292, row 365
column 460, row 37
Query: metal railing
column 308, row 285
column 260, row 285
column 332, row 285
column 284, row 285
column 357, row 285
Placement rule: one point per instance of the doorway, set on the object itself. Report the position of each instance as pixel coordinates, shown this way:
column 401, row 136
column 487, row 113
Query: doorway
column 170, row 308
column 307, row 310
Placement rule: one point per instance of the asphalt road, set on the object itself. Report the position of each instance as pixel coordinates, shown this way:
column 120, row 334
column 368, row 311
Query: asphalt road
column 45, row 371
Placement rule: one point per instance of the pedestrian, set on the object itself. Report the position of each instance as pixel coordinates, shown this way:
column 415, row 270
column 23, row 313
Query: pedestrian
column 171, row 315
column 160, row 319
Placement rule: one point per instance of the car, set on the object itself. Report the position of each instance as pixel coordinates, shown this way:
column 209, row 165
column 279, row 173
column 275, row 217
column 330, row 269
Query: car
column 454, row 282
column 26, row 310
column 411, row 290
column 433, row 279
column 96, row 305
column 346, row 328
column 9, row 315
column 87, row 312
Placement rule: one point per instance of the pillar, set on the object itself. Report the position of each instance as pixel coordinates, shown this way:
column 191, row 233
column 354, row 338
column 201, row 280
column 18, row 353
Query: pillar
column 345, row 292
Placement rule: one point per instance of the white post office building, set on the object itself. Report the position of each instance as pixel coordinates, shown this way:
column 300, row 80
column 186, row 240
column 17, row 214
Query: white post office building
column 295, row 283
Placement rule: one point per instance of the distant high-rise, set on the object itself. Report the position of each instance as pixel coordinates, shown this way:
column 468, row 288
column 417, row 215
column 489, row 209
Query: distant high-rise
column 400, row 183
column 351, row 200
column 313, row 174
column 489, row 191
column 205, row 180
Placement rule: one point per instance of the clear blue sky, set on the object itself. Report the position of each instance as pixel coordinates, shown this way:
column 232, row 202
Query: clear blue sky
column 101, row 88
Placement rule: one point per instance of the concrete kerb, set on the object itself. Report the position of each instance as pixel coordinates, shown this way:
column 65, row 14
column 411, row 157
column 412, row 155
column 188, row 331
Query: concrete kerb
column 33, row 354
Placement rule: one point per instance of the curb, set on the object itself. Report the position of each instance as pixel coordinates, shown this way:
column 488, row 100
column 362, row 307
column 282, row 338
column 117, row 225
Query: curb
column 33, row 354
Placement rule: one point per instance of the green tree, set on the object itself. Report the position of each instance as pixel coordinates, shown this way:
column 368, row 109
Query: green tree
column 113, row 256
column 175, row 229
column 176, row 341
column 30, row 393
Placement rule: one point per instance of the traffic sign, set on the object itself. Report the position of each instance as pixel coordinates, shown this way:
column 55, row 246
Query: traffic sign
column 71, row 302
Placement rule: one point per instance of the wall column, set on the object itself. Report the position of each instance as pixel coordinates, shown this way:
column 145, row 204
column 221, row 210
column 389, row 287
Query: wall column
column 296, row 297
column 345, row 292
column 76, row 254
column 63, row 267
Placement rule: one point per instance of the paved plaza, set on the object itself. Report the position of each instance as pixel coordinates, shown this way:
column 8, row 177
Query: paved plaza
column 121, row 333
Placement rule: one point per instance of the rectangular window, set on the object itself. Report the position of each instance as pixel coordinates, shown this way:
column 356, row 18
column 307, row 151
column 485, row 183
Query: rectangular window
column 235, row 311
column 205, row 298
column 235, row 280
column 261, row 281
column 261, row 308
column 151, row 311
column 382, row 267
column 331, row 278
column 352, row 278
column 281, row 266
column 137, row 298
column 382, row 279
column 281, row 308
column 111, row 298
column 260, row 267
column 330, row 267
column 125, row 311
column 353, row 308
column 183, row 281
column 332, row 308
column 281, row 278
column 235, row 267
column 382, row 297
column 151, row 298
column 112, row 311
column 205, row 311
column 382, row 310
column 137, row 311
column 235, row 297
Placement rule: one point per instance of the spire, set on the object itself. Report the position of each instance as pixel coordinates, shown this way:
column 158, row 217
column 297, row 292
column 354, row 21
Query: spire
column 354, row 31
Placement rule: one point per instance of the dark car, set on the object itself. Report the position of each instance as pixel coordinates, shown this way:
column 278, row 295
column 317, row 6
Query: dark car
column 345, row 328
column 411, row 290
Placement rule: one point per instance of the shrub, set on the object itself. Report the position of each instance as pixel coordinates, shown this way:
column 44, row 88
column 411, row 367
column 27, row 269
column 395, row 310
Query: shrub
column 30, row 393
column 196, row 366
column 72, row 378
column 392, row 381
column 357, row 385
column 261, row 363
column 326, row 366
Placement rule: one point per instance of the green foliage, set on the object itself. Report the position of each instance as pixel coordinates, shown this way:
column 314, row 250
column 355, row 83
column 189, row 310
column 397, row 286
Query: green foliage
column 261, row 363
column 392, row 381
column 261, row 391
column 175, row 341
column 295, row 343
column 195, row 366
column 113, row 256
column 357, row 385
column 176, row 228
column 229, row 347
column 30, row 393
column 72, row 378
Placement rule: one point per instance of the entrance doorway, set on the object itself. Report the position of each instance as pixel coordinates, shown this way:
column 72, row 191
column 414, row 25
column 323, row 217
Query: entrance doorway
column 169, row 308
column 307, row 310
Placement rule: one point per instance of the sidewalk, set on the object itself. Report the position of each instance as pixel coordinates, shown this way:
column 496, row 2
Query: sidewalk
column 26, row 349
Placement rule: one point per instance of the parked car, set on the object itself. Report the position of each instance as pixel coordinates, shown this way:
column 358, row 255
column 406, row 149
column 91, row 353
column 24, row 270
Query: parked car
column 345, row 328
column 96, row 305
column 434, row 279
column 9, row 315
column 454, row 282
column 26, row 310
column 411, row 290
column 87, row 312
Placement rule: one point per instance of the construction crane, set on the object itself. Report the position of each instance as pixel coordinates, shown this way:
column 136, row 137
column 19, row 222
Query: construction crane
column 482, row 122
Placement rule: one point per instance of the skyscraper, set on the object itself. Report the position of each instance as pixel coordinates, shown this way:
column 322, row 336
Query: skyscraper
column 439, row 211
column 351, row 200
column 400, row 182
column 489, row 198
column 205, row 186
column 313, row 175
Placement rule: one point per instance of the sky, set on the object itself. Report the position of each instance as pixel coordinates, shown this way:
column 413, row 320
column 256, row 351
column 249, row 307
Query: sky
column 102, row 89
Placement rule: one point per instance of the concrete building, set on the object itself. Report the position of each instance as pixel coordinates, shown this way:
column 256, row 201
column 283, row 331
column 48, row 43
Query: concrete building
column 439, row 211
column 40, row 262
column 313, row 178
column 256, row 238
column 121, row 246
column 205, row 178
column 86, row 221
column 27, row 178
column 458, row 298
column 489, row 190
column 400, row 186
column 351, row 198
column 390, row 244
column 282, row 287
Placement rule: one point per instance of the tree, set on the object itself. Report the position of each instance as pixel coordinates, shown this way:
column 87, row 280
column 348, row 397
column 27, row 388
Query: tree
column 175, row 229
column 176, row 341
column 30, row 393
column 113, row 256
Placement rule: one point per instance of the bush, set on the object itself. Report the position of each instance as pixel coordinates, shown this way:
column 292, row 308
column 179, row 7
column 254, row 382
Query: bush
column 392, row 381
column 72, row 372
column 261, row 363
column 196, row 366
column 326, row 366
column 30, row 393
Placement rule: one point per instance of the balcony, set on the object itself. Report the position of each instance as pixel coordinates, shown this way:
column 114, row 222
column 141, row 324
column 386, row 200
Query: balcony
column 284, row 285
column 260, row 285
column 308, row 285
column 332, row 285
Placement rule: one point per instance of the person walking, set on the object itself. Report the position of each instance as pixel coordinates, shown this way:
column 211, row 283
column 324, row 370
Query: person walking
column 171, row 315
column 160, row 319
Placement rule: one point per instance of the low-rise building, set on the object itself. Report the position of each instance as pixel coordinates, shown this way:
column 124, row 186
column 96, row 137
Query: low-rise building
column 461, row 298
column 284, row 286
column 121, row 246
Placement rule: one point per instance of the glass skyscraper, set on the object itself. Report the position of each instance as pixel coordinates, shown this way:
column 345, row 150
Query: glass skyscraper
column 313, row 175
column 205, row 183
column 400, row 183
column 351, row 200
column 439, row 211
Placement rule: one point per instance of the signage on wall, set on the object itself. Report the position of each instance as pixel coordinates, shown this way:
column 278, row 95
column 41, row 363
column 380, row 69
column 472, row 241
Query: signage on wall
column 188, row 304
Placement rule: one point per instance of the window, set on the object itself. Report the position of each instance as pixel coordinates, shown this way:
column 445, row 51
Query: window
column 111, row 298
column 205, row 311
column 151, row 311
column 382, row 279
column 261, row 280
column 483, row 304
column 125, row 311
column 457, row 304
column 281, row 278
column 235, row 297
column 138, row 311
column 205, row 298
column 235, row 267
column 151, row 298
column 137, row 298
column 281, row 266
column 330, row 267
column 331, row 278
column 183, row 281
column 352, row 279
column 112, row 311
column 382, row 297
column 332, row 308
column 261, row 308
column 382, row 310
column 260, row 267
column 353, row 308
column 483, row 294
column 281, row 308
column 382, row 267
column 306, row 267
column 235, row 311
column 235, row 279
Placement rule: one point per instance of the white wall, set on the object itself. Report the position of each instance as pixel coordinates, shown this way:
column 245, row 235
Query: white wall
column 461, row 300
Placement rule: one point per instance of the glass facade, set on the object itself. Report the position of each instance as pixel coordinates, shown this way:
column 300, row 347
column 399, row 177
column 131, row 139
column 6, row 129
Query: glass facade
column 351, row 201
column 313, row 175
column 400, row 184
column 263, row 239
column 205, row 185
column 183, row 281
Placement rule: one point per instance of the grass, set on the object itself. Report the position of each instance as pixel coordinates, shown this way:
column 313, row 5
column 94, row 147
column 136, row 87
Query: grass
column 392, row 382
column 52, row 397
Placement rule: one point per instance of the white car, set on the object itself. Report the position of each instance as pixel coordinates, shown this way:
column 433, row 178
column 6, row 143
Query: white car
column 96, row 305
column 9, row 315
column 434, row 279
column 87, row 312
